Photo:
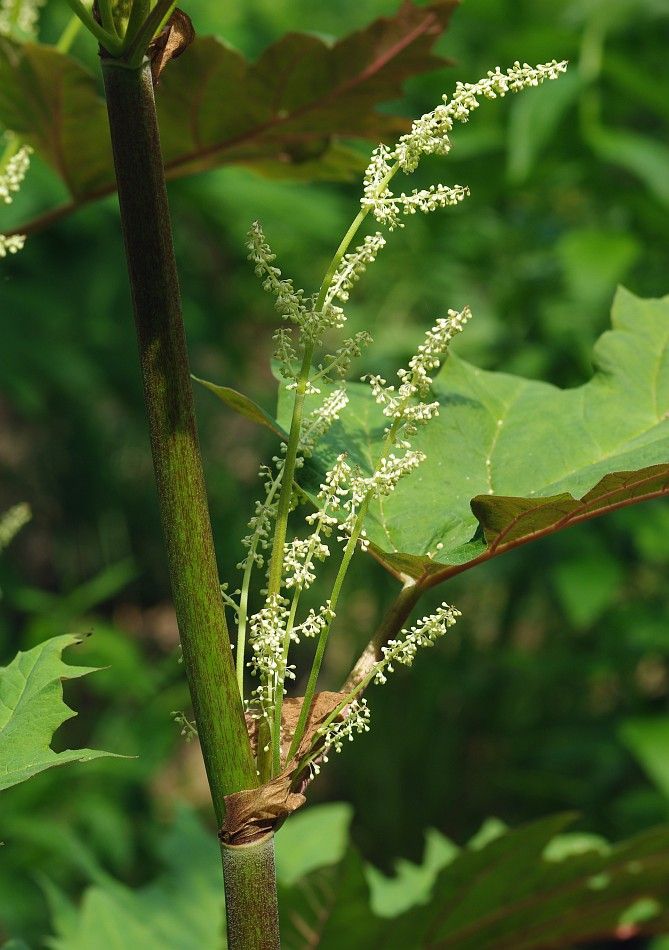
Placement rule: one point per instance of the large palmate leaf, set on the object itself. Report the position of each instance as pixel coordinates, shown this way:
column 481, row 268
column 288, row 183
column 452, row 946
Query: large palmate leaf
column 283, row 114
column 526, row 889
column 529, row 888
column 32, row 708
column 510, row 460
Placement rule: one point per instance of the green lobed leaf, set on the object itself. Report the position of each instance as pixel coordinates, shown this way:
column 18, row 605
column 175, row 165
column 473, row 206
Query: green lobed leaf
column 32, row 708
column 283, row 113
column 511, row 460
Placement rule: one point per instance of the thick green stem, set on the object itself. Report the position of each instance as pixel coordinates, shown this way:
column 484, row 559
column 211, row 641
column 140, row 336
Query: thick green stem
column 250, row 887
column 176, row 455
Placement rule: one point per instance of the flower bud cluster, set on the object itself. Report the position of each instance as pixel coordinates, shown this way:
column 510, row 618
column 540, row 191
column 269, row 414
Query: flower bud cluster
column 338, row 364
column 262, row 521
column 10, row 244
column 424, row 634
column 321, row 418
column 285, row 353
column 354, row 265
column 292, row 304
column 289, row 302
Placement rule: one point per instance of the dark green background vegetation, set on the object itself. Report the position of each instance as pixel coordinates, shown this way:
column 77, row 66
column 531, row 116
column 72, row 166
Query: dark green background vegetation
column 521, row 711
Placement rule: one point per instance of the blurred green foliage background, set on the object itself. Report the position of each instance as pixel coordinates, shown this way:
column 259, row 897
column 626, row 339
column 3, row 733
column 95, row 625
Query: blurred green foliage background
column 526, row 708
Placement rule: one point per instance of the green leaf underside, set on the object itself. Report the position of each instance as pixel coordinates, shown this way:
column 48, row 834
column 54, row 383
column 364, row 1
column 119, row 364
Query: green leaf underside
column 529, row 888
column 284, row 112
column 506, row 894
column 510, row 460
column 32, row 708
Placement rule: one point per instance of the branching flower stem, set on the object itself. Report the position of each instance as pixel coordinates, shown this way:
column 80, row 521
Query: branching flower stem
column 349, row 551
column 283, row 510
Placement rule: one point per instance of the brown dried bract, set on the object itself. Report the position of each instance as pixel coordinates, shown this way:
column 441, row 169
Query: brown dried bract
column 173, row 39
column 255, row 812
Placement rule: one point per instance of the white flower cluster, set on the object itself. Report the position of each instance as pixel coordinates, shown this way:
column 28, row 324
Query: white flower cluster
column 355, row 721
column 388, row 208
column 10, row 244
column 424, row 634
column 13, row 169
column 19, row 15
column 404, row 404
column 267, row 630
column 298, row 558
column 353, row 266
column 315, row 621
column 321, row 418
column 429, row 135
column 431, row 351
column 13, row 173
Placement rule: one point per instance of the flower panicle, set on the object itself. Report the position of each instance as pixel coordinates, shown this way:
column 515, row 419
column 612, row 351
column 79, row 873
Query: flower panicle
column 14, row 172
column 423, row 634
column 355, row 721
column 405, row 404
column 13, row 169
column 429, row 135
column 290, row 303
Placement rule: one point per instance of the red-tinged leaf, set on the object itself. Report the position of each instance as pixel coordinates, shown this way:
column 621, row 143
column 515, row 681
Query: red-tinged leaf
column 287, row 112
